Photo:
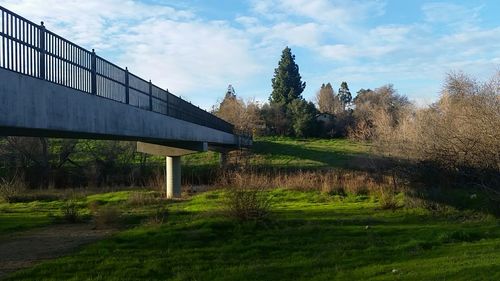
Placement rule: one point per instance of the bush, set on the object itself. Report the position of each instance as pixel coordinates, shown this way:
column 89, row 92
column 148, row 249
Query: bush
column 246, row 204
column 387, row 200
column 70, row 212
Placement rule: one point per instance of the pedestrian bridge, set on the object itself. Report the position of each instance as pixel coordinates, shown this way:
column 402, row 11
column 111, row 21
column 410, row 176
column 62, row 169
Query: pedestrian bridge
column 52, row 87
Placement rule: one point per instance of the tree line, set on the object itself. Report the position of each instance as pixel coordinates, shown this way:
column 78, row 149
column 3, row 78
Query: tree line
column 287, row 113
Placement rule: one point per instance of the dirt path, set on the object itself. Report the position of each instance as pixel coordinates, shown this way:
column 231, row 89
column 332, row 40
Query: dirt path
column 25, row 249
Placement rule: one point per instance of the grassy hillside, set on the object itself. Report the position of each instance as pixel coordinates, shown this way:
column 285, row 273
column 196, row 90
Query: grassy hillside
column 310, row 236
column 285, row 152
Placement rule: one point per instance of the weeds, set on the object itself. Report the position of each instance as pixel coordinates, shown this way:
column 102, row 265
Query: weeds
column 139, row 198
column 70, row 212
column 328, row 181
column 388, row 200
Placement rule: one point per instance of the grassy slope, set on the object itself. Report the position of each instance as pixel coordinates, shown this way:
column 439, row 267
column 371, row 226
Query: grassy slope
column 289, row 152
column 312, row 236
column 293, row 153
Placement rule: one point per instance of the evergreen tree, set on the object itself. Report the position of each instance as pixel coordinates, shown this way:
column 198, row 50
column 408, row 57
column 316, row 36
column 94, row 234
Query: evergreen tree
column 344, row 95
column 230, row 93
column 303, row 118
column 287, row 84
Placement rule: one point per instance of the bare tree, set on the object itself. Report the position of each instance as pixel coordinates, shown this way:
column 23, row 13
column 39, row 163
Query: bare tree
column 245, row 116
column 327, row 100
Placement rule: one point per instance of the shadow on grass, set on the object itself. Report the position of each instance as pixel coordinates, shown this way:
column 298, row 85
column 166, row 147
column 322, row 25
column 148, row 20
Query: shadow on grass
column 329, row 158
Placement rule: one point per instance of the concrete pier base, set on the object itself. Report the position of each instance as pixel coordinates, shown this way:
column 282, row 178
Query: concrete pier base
column 173, row 169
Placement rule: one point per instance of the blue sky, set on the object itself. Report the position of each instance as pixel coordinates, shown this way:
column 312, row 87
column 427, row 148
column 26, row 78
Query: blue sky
column 196, row 48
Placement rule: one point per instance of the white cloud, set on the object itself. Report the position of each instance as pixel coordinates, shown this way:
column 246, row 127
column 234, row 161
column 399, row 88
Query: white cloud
column 326, row 11
column 451, row 14
column 92, row 23
column 188, row 57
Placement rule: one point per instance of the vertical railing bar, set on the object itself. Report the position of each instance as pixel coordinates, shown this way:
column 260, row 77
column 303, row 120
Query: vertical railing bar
column 42, row 51
column 16, row 57
column 3, row 39
column 93, row 74
column 18, row 45
column 25, row 58
column 66, row 63
column 10, row 56
column 28, row 34
column 59, row 62
column 127, row 89
column 150, row 95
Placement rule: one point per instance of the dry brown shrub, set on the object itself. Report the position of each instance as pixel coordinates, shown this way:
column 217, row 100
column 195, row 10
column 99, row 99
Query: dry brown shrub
column 459, row 134
column 329, row 181
column 141, row 198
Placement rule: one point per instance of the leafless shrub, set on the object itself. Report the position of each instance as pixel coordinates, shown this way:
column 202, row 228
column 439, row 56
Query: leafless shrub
column 247, row 199
column 458, row 137
column 247, row 204
column 10, row 189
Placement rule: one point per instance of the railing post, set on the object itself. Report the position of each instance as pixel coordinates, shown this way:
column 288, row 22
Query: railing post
column 150, row 95
column 93, row 67
column 127, row 91
column 42, row 51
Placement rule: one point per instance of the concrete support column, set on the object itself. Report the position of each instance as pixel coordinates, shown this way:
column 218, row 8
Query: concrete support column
column 173, row 166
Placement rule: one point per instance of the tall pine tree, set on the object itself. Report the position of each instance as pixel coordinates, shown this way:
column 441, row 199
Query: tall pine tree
column 345, row 95
column 287, row 84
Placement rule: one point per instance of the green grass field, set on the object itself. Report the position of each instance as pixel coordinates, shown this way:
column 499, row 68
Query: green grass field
column 310, row 236
column 285, row 152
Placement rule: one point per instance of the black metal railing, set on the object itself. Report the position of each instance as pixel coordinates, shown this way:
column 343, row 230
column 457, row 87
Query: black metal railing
column 31, row 49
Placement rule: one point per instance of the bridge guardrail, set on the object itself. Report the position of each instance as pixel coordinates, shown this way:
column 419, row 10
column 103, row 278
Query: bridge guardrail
column 31, row 49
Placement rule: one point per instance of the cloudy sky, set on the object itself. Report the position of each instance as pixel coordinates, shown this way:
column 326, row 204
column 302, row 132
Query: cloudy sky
column 196, row 48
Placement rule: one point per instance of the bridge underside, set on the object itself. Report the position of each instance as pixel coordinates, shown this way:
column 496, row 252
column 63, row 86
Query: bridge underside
column 33, row 107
